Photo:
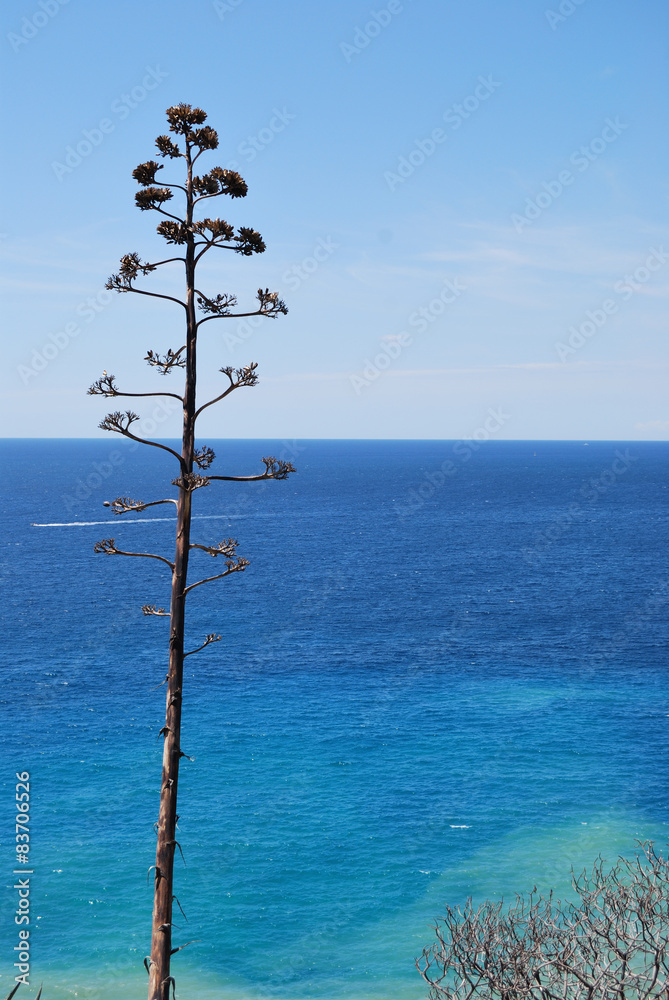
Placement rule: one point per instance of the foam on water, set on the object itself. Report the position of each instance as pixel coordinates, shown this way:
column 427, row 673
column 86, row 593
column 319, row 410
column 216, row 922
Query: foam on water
column 147, row 520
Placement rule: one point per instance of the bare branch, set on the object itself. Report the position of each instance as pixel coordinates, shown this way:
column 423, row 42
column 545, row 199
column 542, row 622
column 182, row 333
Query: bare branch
column 107, row 546
column 168, row 215
column 170, row 260
column 219, row 305
column 131, row 267
column 228, row 547
column 139, row 291
column 275, row 468
column 212, row 637
column 270, row 303
column 173, row 359
column 245, row 376
column 208, row 244
column 239, row 378
column 203, row 457
column 106, row 386
column 123, row 505
column 239, row 566
column 181, row 947
column 270, row 306
column 613, row 944
column 151, row 609
column 119, row 423
column 234, row 563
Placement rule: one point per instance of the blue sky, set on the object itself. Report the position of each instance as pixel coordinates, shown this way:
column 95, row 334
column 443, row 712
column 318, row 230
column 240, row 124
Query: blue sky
column 465, row 208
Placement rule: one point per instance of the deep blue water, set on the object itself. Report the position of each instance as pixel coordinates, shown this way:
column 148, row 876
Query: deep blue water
column 435, row 680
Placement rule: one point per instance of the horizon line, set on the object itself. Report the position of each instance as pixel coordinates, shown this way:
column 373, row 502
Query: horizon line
column 496, row 440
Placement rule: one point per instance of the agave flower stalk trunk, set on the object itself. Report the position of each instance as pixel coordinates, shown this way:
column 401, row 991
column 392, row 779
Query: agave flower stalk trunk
column 161, row 930
column 197, row 237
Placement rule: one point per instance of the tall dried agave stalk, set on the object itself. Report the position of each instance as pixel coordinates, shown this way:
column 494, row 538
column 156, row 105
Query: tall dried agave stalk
column 197, row 237
column 13, row 993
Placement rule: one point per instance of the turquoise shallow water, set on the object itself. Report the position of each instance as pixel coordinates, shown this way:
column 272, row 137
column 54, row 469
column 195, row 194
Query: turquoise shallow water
column 421, row 694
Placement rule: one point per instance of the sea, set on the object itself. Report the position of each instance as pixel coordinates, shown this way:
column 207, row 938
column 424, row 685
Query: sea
column 443, row 675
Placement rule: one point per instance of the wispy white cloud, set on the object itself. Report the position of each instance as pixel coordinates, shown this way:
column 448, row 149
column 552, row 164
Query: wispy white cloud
column 429, row 372
column 529, row 366
column 557, row 249
column 652, row 425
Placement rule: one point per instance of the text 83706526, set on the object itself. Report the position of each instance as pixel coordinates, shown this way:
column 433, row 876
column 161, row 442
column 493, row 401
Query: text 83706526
column 22, row 817
column 22, row 917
